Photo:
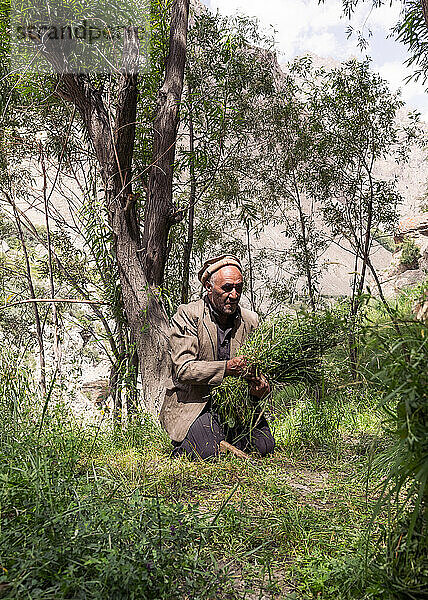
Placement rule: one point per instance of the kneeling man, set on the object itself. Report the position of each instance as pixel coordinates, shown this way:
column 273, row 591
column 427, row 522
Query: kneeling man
column 205, row 334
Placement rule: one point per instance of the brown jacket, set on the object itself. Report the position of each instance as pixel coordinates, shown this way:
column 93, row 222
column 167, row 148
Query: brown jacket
column 195, row 370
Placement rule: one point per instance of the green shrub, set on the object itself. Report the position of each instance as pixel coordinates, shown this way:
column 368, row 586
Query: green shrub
column 398, row 371
column 410, row 254
column 95, row 547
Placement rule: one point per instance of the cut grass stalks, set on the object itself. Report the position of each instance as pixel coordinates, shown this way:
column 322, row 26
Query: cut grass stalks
column 285, row 350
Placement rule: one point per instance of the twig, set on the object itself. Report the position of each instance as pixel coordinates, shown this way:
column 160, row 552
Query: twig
column 226, row 447
column 57, row 343
column 72, row 300
column 32, row 301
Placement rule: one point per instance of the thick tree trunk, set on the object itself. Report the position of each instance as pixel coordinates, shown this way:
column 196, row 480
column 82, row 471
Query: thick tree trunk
column 146, row 317
column 160, row 213
column 113, row 144
column 112, row 133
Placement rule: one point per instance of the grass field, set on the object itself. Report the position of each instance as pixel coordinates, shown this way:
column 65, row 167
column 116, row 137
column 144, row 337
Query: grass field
column 92, row 514
column 95, row 513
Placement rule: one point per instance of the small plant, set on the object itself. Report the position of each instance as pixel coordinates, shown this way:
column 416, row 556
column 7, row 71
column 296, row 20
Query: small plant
column 410, row 254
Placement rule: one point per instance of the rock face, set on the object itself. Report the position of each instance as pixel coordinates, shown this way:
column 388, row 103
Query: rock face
column 409, row 278
column 411, row 227
column 415, row 227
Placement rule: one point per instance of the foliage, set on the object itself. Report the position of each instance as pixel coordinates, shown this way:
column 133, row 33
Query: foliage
column 326, row 130
column 398, row 370
column 410, row 254
column 359, row 119
column 217, row 178
column 284, row 349
column 67, row 533
column 303, row 421
column 397, row 354
column 80, row 508
column 411, row 30
column 289, row 128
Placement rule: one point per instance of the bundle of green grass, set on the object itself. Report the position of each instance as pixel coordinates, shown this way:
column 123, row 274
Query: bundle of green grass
column 285, row 349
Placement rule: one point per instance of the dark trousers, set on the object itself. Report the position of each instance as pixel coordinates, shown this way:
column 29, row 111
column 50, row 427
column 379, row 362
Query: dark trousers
column 206, row 433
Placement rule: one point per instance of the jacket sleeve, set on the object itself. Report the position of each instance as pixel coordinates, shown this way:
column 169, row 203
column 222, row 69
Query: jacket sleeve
column 184, row 345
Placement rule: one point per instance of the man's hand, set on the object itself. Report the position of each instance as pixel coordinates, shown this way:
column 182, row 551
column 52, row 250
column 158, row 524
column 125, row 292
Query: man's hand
column 259, row 386
column 236, row 366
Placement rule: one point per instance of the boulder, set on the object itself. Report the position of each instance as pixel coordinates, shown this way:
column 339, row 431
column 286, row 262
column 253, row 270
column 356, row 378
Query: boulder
column 409, row 278
column 414, row 227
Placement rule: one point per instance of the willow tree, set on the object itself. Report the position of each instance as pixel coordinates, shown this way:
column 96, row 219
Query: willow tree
column 219, row 112
column 359, row 121
column 108, row 111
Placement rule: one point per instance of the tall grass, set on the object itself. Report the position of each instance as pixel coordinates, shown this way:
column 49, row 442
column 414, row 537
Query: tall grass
column 394, row 359
column 398, row 369
column 94, row 514
column 68, row 529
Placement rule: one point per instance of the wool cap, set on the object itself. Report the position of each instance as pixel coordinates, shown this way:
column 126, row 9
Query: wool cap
column 214, row 264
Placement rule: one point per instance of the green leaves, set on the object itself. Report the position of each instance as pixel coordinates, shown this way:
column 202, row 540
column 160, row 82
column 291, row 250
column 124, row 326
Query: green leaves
column 398, row 370
column 72, row 529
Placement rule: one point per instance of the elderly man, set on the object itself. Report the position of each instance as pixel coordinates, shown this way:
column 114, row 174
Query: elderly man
column 205, row 339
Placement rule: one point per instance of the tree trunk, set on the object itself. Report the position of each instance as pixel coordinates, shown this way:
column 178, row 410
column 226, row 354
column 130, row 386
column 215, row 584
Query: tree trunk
column 187, row 252
column 363, row 252
column 250, row 263
column 140, row 266
column 352, row 313
column 131, row 392
column 160, row 213
column 57, row 342
column 307, row 265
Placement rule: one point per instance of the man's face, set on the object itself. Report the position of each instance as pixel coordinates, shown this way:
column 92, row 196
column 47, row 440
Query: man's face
column 224, row 289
